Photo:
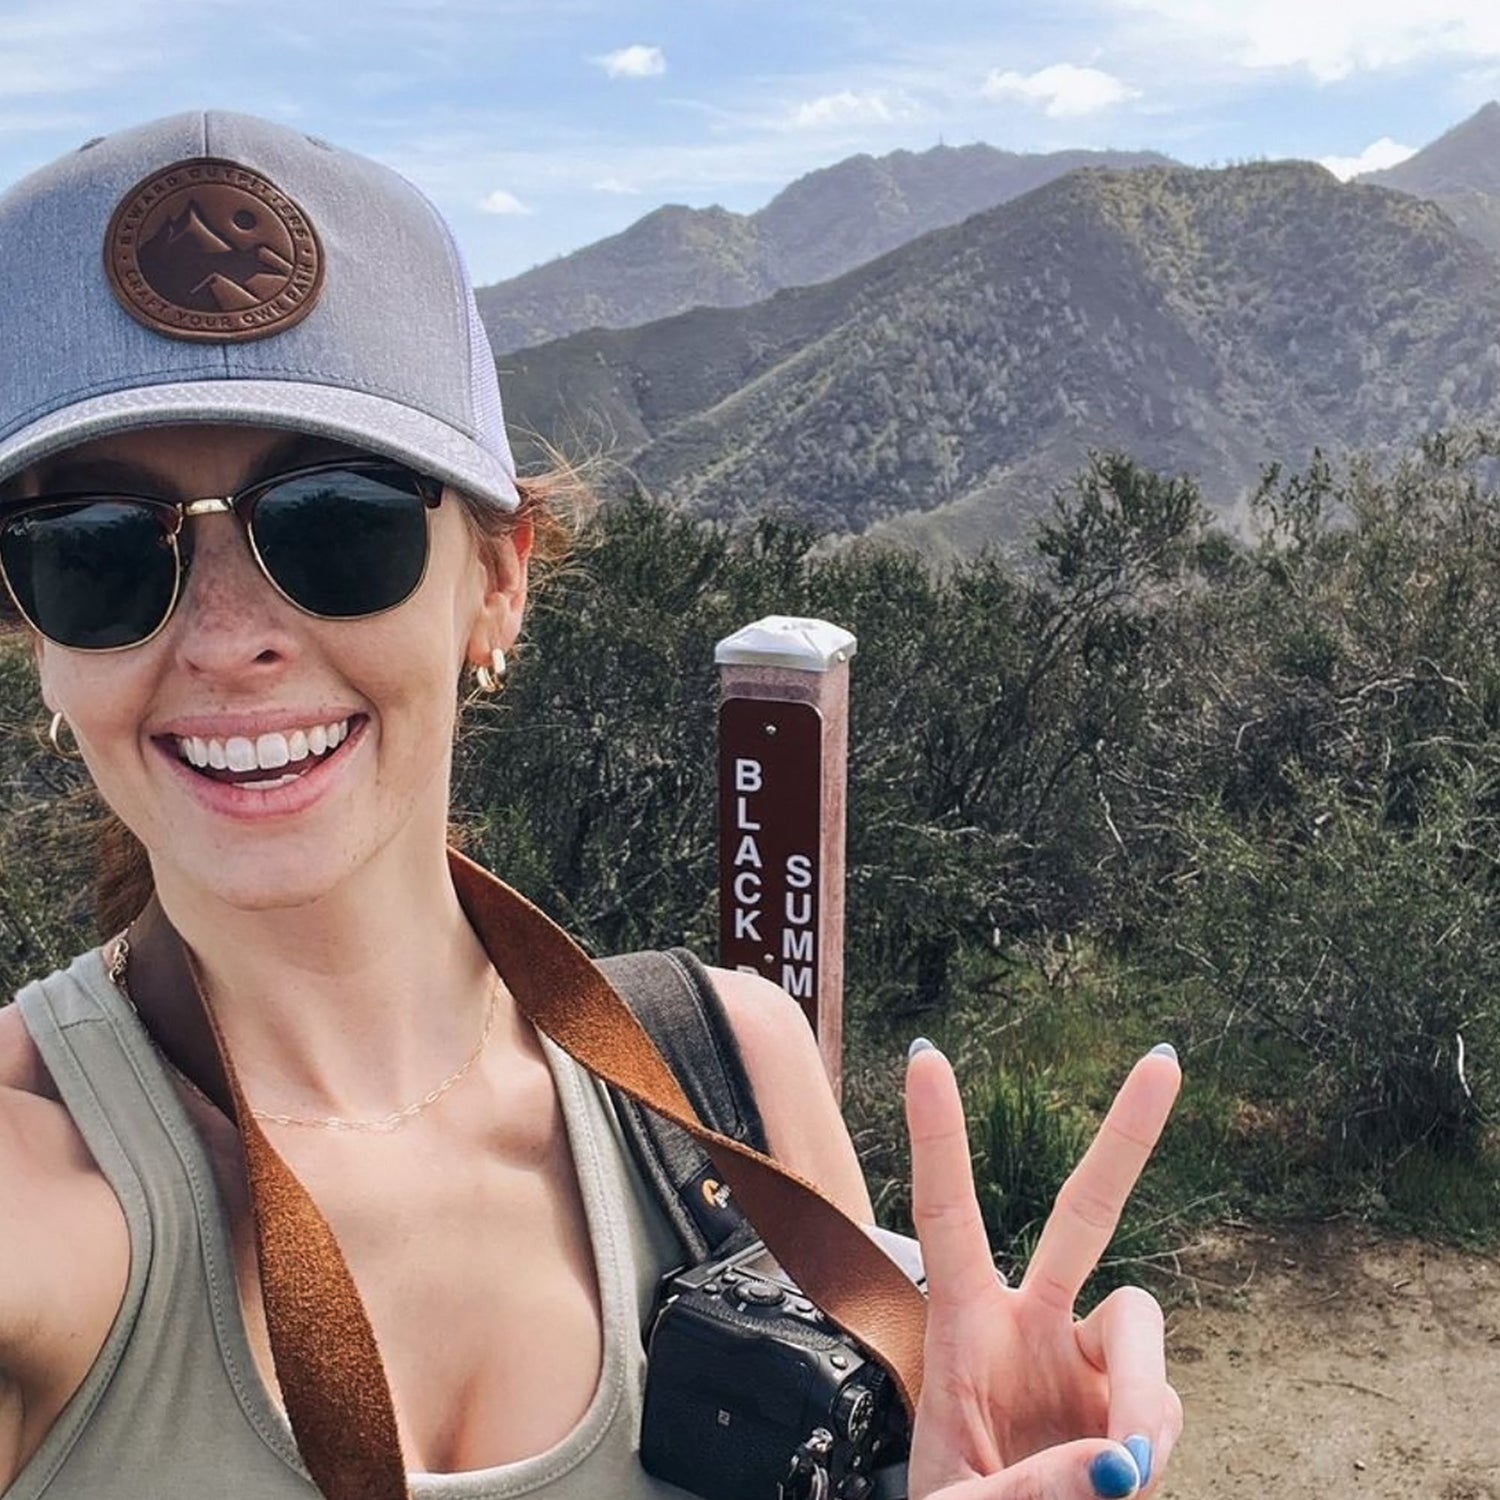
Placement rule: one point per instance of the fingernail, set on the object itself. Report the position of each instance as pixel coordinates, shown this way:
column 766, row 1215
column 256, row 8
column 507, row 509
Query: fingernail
column 921, row 1044
column 1164, row 1049
column 1140, row 1451
column 1114, row 1475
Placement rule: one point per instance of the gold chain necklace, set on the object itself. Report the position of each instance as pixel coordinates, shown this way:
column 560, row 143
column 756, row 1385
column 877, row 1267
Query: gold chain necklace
column 118, row 965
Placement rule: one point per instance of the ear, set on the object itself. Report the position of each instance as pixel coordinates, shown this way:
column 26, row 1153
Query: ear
column 498, row 623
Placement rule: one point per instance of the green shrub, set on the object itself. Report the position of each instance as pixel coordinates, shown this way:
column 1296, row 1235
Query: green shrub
column 1354, row 964
column 1026, row 1141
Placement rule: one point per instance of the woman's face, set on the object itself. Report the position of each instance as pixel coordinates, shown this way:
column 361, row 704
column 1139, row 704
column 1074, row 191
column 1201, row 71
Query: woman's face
column 363, row 709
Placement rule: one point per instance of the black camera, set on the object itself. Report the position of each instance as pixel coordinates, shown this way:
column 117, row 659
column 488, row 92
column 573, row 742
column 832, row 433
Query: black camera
column 752, row 1394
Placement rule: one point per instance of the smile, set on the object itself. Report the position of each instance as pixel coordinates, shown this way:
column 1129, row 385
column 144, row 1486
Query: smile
column 263, row 761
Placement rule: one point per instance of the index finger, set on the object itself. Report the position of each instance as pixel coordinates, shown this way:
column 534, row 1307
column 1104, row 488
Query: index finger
column 1088, row 1208
column 944, row 1209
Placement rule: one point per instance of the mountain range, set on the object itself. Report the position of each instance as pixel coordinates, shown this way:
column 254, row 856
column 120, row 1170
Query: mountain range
column 1206, row 321
column 822, row 225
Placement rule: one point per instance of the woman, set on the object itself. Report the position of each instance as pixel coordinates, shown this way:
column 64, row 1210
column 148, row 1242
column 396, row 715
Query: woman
column 258, row 517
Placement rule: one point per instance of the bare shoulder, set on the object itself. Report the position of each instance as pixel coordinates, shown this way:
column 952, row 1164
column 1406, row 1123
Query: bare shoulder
column 44, row 1167
column 803, row 1123
column 64, row 1247
column 21, row 1066
column 41, row 1150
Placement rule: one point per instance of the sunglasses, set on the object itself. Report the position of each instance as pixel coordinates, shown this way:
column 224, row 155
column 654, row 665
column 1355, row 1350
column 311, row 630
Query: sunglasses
column 102, row 571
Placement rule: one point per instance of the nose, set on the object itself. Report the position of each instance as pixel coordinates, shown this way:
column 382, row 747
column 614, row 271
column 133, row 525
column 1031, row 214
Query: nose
column 229, row 621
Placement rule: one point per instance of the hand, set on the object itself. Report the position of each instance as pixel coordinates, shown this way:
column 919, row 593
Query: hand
column 1020, row 1401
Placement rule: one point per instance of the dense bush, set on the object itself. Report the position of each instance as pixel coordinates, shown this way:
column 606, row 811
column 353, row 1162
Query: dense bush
column 1369, row 953
column 1255, row 779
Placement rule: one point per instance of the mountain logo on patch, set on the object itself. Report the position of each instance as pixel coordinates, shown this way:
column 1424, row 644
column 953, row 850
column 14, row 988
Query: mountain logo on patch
column 213, row 251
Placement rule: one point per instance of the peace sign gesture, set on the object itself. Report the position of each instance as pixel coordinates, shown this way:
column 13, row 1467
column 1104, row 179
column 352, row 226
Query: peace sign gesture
column 1020, row 1401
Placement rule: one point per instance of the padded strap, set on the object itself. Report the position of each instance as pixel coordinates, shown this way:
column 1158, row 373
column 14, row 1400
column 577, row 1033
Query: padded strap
column 672, row 996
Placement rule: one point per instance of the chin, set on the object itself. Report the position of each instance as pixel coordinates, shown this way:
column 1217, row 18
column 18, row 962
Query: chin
column 265, row 879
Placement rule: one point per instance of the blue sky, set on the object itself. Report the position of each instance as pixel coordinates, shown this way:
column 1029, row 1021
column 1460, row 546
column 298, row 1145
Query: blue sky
column 541, row 125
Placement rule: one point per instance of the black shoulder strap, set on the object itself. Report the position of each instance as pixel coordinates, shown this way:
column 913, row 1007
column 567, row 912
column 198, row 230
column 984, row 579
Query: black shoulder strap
column 675, row 1001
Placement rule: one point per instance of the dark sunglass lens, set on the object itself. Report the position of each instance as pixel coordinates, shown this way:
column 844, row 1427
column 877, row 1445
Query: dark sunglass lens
column 346, row 542
column 92, row 576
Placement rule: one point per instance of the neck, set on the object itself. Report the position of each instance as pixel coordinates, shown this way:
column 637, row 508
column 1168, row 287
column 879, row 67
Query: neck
column 351, row 1004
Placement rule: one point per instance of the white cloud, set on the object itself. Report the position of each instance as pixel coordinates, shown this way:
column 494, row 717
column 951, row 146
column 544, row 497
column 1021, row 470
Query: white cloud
column 1331, row 39
column 1376, row 157
column 1064, row 90
column 616, row 185
column 501, row 202
column 847, row 107
column 634, row 62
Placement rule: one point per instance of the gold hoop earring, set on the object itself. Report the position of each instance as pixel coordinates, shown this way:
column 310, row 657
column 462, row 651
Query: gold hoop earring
column 55, row 733
column 491, row 678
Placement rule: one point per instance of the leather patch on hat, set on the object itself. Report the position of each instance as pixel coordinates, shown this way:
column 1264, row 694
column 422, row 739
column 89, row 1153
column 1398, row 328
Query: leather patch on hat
column 210, row 250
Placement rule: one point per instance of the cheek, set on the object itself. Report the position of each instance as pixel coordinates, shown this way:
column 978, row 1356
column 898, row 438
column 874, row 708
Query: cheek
column 457, row 584
column 91, row 692
column 408, row 673
column 104, row 703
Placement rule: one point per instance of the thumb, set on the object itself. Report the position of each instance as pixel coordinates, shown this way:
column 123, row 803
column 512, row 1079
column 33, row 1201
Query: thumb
column 1089, row 1469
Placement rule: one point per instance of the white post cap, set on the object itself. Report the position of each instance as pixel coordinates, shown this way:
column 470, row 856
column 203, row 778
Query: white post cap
column 785, row 641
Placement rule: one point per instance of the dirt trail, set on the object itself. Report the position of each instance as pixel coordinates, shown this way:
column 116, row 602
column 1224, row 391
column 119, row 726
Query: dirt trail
column 1329, row 1362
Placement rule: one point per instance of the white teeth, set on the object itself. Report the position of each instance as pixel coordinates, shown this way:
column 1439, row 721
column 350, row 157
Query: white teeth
column 267, row 752
column 239, row 753
column 271, row 752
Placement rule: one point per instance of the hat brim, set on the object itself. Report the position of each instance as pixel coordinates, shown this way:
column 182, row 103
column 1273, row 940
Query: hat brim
column 386, row 427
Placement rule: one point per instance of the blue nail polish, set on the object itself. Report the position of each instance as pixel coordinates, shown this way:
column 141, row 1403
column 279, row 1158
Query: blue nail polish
column 921, row 1044
column 1140, row 1451
column 1114, row 1475
column 1164, row 1049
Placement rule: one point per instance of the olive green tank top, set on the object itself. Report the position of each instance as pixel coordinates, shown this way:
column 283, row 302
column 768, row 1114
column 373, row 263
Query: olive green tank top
column 174, row 1408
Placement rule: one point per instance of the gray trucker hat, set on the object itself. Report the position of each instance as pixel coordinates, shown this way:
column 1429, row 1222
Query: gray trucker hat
column 215, row 267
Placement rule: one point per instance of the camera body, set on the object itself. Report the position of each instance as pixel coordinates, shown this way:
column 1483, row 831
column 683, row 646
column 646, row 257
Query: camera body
column 750, row 1390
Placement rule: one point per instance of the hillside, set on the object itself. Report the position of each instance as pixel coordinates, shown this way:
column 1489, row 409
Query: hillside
column 1460, row 171
column 1205, row 321
column 821, row 226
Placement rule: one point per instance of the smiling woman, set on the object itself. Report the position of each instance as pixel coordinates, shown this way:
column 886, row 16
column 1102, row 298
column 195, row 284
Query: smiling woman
column 96, row 556
column 296, row 1193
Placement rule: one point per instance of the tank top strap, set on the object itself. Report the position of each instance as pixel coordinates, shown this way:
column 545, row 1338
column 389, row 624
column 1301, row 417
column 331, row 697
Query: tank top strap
column 176, row 1358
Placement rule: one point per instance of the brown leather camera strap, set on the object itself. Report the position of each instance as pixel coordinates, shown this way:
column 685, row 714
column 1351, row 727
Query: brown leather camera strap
column 327, row 1362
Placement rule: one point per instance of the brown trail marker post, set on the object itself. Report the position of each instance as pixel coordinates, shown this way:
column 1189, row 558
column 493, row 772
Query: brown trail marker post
column 783, row 750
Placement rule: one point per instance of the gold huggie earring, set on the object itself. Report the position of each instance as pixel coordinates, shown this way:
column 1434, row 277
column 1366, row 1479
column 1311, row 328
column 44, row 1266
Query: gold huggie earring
column 54, row 734
column 491, row 679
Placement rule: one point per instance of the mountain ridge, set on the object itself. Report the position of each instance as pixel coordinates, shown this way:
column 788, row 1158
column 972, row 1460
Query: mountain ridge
column 1459, row 171
column 1204, row 320
column 818, row 227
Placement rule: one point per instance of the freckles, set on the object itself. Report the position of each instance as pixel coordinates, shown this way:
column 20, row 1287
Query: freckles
column 222, row 597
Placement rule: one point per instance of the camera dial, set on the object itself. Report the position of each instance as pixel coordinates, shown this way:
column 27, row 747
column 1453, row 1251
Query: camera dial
column 853, row 1411
column 753, row 1293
